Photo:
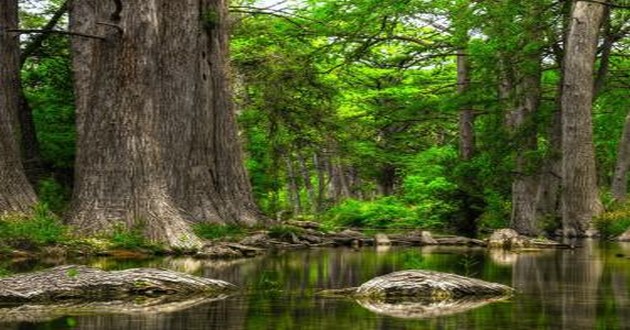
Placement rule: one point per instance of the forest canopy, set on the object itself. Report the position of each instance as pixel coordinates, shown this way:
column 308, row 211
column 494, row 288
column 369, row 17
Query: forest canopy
column 449, row 115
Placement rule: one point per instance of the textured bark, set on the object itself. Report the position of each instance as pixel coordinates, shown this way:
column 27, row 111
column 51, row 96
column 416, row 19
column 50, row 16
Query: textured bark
column 580, row 199
column 157, row 144
column 81, row 283
column 16, row 194
column 525, row 186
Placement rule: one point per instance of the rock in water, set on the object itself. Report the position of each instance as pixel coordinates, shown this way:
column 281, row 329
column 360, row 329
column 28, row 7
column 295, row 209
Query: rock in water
column 424, row 285
column 625, row 237
column 382, row 239
column 82, row 283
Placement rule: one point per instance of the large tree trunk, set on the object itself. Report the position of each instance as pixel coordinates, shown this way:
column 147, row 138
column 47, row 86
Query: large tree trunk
column 157, row 145
column 16, row 194
column 580, row 199
column 466, row 114
column 524, row 217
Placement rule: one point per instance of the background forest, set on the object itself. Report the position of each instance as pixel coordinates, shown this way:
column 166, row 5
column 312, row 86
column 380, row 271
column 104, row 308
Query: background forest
column 390, row 114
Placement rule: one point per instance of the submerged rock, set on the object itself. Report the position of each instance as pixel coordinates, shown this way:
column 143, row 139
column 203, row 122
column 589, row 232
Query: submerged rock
column 86, row 284
column 382, row 239
column 625, row 237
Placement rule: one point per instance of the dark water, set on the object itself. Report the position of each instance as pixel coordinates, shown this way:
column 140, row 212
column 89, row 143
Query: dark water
column 587, row 288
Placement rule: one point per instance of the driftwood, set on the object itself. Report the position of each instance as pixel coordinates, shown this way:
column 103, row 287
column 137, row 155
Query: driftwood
column 82, row 283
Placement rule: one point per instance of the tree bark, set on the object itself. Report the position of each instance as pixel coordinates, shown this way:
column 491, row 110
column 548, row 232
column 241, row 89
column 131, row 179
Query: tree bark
column 157, row 145
column 580, row 199
column 524, row 217
column 16, row 194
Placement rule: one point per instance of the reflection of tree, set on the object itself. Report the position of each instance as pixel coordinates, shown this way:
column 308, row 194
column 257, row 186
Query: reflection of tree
column 559, row 286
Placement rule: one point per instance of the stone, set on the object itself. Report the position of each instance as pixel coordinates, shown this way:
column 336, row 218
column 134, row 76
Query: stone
column 382, row 239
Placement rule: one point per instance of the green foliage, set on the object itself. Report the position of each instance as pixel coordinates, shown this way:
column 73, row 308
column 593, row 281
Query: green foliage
column 428, row 187
column 41, row 228
column 218, row 231
column 381, row 213
column 53, row 194
column 614, row 222
column 124, row 237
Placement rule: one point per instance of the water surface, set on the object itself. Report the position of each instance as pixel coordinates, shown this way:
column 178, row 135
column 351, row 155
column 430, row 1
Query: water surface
column 586, row 288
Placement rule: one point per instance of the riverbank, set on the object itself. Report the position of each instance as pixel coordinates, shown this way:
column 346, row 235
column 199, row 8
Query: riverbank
column 290, row 235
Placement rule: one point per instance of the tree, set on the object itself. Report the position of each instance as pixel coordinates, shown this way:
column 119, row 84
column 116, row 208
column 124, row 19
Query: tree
column 157, row 144
column 580, row 199
column 16, row 194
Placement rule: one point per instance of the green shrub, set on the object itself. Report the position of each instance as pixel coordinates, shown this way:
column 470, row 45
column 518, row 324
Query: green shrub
column 218, row 231
column 613, row 223
column 380, row 213
column 42, row 228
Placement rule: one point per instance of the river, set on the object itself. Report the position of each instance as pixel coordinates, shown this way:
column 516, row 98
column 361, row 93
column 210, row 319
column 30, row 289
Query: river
column 585, row 288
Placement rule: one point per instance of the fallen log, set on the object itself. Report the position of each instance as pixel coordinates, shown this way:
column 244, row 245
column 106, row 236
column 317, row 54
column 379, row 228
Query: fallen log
column 82, row 283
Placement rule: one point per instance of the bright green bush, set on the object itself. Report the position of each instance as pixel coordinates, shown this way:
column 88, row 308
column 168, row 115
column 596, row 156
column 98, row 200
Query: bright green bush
column 380, row 213
column 429, row 189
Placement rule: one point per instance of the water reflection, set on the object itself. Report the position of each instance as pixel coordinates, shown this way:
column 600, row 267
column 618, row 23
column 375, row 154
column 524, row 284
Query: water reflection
column 586, row 288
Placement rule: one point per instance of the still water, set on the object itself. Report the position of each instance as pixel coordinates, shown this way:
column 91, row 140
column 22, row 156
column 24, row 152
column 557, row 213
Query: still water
column 586, row 288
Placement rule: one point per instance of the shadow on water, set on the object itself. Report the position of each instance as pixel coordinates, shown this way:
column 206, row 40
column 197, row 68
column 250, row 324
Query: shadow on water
column 586, row 288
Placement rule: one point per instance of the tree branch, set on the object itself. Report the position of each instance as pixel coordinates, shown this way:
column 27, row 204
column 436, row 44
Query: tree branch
column 77, row 34
column 38, row 40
